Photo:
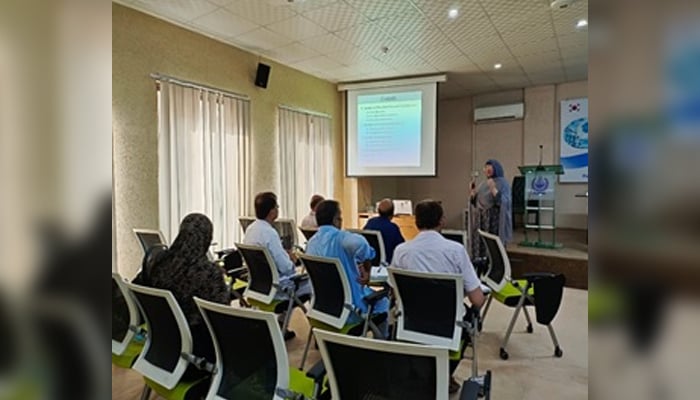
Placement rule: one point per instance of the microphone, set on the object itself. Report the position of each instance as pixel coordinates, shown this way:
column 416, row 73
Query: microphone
column 539, row 166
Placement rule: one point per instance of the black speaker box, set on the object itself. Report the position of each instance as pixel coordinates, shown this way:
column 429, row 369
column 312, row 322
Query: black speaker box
column 262, row 76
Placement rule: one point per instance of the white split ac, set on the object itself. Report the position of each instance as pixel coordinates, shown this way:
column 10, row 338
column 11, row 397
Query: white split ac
column 499, row 113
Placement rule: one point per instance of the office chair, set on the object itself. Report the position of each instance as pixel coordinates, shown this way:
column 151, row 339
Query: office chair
column 400, row 371
column 430, row 311
column 455, row 235
column 168, row 349
column 542, row 290
column 251, row 360
column 264, row 283
column 331, row 306
column 128, row 335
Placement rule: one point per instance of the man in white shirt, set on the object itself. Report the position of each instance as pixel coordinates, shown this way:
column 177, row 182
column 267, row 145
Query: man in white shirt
column 429, row 251
column 309, row 221
column 263, row 233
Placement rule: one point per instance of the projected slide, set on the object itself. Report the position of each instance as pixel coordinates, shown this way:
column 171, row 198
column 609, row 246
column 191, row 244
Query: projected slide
column 389, row 129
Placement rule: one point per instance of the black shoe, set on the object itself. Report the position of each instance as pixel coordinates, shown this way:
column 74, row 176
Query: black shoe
column 289, row 334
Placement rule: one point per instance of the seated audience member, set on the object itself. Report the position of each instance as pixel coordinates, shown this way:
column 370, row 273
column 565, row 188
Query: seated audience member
column 309, row 221
column 354, row 253
column 391, row 235
column 429, row 251
column 262, row 233
column 185, row 270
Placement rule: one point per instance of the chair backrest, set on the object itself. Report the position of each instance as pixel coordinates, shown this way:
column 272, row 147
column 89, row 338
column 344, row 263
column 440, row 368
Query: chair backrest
column 363, row 368
column 149, row 238
column 168, row 336
column 332, row 298
column 245, row 222
column 263, row 276
column 429, row 306
column 287, row 229
column 456, row 235
column 375, row 240
column 125, row 314
column 308, row 232
column 499, row 264
column 251, row 359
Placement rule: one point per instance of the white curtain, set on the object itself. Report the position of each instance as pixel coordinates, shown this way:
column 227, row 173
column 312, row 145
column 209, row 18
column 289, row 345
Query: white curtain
column 203, row 159
column 306, row 161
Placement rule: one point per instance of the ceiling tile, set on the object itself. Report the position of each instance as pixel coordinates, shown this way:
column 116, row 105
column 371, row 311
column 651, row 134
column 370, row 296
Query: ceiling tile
column 297, row 28
column 366, row 35
column 335, row 16
column 179, row 10
column 302, row 6
column 374, row 9
column 262, row 39
column 352, row 56
column 259, row 12
column 320, row 63
column 328, row 43
column 223, row 23
column 292, row 53
column 220, row 3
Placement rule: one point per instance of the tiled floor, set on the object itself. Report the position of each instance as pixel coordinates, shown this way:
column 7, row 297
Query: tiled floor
column 532, row 372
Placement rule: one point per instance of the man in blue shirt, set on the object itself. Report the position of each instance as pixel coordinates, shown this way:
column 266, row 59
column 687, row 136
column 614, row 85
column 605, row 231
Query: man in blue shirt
column 391, row 235
column 354, row 253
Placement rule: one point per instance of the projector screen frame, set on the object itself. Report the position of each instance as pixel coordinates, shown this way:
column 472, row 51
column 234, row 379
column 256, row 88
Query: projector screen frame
column 428, row 166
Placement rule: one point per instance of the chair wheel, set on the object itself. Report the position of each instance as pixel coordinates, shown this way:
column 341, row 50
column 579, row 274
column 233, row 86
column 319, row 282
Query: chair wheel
column 529, row 328
column 558, row 353
column 503, row 354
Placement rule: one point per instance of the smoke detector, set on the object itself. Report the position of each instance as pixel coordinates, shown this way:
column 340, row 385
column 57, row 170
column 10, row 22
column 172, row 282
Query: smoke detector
column 561, row 4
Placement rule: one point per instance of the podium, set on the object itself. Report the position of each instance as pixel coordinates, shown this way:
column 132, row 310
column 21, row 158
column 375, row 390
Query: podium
column 540, row 189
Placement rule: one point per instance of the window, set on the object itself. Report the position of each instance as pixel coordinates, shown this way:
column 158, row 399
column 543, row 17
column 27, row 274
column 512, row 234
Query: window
column 203, row 159
column 306, row 160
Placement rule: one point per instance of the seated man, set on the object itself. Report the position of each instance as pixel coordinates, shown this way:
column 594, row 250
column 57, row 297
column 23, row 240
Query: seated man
column 354, row 253
column 309, row 221
column 429, row 251
column 391, row 235
column 262, row 233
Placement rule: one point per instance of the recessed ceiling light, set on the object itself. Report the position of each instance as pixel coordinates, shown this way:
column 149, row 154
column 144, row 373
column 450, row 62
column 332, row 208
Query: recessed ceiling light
column 453, row 13
column 497, row 66
column 582, row 23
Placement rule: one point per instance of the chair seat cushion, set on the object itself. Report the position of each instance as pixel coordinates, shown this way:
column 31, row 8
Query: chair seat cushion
column 126, row 359
column 510, row 295
column 300, row 383
column 265, row 307
column 184, row 390
column 239, row 284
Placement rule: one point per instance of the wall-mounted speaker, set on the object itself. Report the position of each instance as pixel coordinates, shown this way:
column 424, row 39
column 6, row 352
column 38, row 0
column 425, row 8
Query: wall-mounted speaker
column 262, row 76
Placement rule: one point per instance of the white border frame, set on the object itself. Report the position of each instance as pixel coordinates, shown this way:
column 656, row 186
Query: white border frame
column 461, row 232
column 138, row 231
column 439, row 353
column 262, row 297
column 312, row 313
column 418, row 337
column 380, row 240
column 245, row 218
column 118, row 348
column 275, row 333
column 496, row 286
column 293, row 228
column 164, row 378
column 302, row 230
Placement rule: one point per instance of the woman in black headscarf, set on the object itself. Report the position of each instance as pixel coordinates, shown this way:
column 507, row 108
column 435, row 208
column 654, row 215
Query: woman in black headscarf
column 492, row 208
column 185, row 270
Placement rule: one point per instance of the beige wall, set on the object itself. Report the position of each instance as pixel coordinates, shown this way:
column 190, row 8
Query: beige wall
column 142, row 45
column 464, row 146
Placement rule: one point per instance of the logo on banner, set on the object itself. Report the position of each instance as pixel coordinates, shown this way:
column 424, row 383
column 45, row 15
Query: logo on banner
column 539, row 185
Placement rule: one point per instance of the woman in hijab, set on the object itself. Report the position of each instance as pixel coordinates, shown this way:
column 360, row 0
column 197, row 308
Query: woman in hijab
column 185, row 270
column 491, row 203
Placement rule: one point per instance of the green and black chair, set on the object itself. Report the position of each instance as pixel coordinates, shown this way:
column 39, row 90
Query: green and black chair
column 331, row 306
column 128, row 334
column 167, row 353
column 264, row 284
column 544, row 291
column 251, row 359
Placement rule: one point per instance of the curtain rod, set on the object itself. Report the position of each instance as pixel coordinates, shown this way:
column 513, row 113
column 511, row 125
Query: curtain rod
column 305, row 111
column 196, row 85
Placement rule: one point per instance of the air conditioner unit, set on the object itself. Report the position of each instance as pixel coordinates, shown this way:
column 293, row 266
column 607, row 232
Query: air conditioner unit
column 499, row 113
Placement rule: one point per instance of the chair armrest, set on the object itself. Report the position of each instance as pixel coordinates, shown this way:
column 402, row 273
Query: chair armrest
column 223, row 253
column 317, row 372
column 236, row 272
column 200, row 363
column 470, row 390
column 376, row 296
column 299, row 278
